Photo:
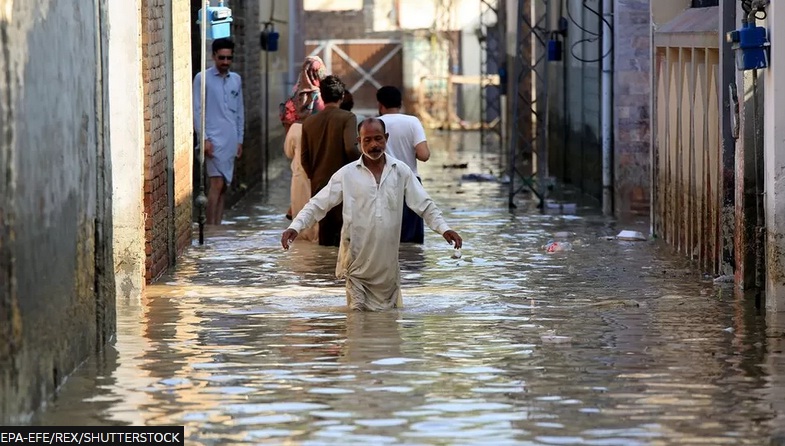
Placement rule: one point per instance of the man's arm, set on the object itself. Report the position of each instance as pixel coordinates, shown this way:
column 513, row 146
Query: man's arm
column 421, row 150
column 350, row 138
column 421, row 203
column 317, row 207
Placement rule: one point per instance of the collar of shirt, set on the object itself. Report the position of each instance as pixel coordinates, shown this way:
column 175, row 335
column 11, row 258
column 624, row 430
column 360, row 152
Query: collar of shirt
column 389, row 160
column 215, row 71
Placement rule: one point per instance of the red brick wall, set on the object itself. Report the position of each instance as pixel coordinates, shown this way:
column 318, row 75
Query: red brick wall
column 320, row 25
column 156, row 129
column 166, row 74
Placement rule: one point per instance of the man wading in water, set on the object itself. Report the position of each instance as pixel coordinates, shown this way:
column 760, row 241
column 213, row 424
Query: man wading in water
column 372, row 190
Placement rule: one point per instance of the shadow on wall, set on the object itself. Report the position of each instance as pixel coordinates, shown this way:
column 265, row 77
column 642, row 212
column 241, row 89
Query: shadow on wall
column 575, row 157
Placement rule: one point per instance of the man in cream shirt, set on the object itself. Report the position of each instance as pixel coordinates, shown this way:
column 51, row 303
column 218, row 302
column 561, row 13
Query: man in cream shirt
column 372, row 190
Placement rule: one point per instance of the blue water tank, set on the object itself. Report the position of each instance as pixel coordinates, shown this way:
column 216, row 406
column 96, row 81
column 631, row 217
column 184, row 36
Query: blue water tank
column 220, row 22
column 751, row 44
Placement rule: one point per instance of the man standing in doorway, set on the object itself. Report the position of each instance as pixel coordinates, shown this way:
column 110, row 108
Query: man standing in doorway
column 329, row 142
column 407, row 143
column 224, row 124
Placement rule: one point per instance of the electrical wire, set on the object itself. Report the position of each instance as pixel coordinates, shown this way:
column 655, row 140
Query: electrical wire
column 594, row 35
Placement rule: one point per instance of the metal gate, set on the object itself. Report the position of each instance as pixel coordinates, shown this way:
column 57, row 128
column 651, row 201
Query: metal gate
column 687, row 157
column 364, row 65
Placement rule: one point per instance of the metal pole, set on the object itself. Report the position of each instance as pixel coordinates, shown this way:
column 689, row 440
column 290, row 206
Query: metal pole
column 516, row 88
column 539, row 50
column 266, row 116
column 607, row 107
column 201, row 200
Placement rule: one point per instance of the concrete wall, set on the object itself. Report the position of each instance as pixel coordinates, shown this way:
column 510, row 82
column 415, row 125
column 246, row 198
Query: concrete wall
column 182, row 137
column 57, row 292
column 631, row 106
column 575, row 156
column 774, row 176
column 279, row 70
column 127, row 141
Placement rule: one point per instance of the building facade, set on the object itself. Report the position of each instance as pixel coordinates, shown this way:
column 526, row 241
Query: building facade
column 96, row 165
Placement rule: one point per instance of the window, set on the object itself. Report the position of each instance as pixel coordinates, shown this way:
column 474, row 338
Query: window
column 705, row 3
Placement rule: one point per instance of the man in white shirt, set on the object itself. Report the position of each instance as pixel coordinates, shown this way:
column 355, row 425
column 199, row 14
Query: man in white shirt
column 407, row 143
column 372, row 190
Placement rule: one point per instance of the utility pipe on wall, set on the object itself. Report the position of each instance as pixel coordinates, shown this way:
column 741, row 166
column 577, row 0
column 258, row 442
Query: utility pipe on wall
column 201, row 199
column 606, row 107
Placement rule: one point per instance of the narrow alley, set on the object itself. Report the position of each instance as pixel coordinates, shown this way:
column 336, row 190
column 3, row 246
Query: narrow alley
column 610, row 343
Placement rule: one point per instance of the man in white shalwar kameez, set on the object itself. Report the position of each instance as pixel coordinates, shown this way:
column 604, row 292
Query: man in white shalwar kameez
column 372, row 190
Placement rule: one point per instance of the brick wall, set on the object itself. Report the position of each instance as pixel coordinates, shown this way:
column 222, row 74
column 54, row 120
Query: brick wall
column 166, row 76
column 334, row 25
column 632, row 67
column 155, row 74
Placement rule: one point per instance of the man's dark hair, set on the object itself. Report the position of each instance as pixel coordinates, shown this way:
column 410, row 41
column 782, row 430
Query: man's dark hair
column 222, row 44
column 332, row 89
column 368, row 121
column 348, row 101
column 389, row 97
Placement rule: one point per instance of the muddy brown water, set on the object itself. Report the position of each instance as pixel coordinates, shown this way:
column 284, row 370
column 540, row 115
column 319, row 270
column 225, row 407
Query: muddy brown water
column 611, row 343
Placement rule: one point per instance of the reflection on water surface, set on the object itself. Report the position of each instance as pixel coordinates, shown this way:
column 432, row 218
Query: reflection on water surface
column 612, row 343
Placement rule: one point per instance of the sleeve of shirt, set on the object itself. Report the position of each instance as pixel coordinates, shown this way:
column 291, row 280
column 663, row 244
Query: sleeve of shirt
column 419, row 133
column 240, row 113
column 197, row 92
column 421, row 203
column 317, row 207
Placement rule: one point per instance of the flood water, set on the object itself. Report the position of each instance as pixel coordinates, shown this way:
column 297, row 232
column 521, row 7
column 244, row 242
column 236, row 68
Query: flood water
column 611, row 343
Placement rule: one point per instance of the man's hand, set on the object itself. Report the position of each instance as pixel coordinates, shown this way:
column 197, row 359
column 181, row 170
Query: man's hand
column 288, row 237
column 239, row 150
column 453, row 238
column 208, row 148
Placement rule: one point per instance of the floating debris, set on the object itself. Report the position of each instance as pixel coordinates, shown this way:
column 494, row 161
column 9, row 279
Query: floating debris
column 724, row 279
column 631, row 236
column 553, row 246
column 479, row 177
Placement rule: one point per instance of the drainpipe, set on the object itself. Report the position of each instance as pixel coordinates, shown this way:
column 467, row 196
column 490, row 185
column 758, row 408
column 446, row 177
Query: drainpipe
column 201, row 199
column 758, row 143
column 606, row 107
